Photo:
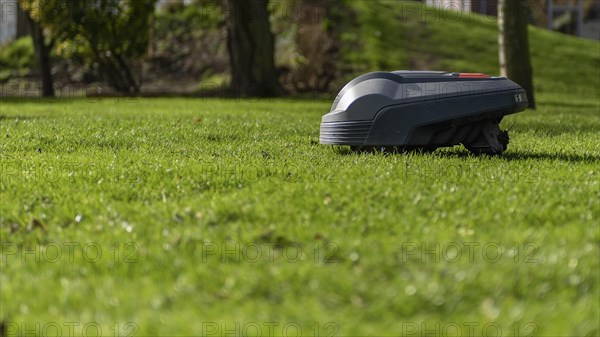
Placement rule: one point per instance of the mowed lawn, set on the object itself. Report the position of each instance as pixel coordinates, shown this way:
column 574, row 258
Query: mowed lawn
column 193, row 216
column 209, row 217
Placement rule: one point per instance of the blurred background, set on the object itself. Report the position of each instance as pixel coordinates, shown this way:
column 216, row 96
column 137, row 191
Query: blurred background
column 249, row 48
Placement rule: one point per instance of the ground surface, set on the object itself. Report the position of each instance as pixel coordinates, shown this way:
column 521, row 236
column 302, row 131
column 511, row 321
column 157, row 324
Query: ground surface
column 192, row 216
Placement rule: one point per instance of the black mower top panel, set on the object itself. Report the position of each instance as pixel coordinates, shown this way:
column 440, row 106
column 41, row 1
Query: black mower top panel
column 366, row 95
column 423, row 109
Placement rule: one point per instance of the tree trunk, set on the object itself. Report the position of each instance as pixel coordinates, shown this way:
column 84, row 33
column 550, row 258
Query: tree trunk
column 23, row 26
column 42, row 51
column 513, row 42
column 251, row 48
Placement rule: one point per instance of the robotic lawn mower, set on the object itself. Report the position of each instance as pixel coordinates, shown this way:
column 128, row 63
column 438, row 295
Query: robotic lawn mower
column 407, row 110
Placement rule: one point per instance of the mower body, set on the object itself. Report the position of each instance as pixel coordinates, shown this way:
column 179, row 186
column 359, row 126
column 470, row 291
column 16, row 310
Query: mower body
column 423, row 109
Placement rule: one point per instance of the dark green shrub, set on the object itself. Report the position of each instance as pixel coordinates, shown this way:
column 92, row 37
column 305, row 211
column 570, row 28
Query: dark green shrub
column 16, row 58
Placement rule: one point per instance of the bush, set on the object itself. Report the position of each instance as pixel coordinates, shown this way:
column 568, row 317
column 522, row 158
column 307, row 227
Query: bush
column 308, row 43
column 188, row 42
column 16, row 58
column 109, row 35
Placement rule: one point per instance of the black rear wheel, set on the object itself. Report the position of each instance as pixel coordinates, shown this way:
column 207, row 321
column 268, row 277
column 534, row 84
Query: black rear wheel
column 483, row 148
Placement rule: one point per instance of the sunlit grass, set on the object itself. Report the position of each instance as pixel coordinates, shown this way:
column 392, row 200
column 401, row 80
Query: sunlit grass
column 203, row 216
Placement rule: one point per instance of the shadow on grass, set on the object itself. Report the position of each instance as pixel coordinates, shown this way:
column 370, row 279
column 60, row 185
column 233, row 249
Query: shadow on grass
column 550, row 128
column 520, row 156
column 573, row 158
column 574, row 105
column 509, row 156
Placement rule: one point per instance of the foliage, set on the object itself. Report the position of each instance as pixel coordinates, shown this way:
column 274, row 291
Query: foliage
column 16, row 58
column 309, row 46
column 110, row 35
column 188, row 42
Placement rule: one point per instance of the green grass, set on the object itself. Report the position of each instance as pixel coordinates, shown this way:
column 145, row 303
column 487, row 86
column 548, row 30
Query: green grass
column 178, row 194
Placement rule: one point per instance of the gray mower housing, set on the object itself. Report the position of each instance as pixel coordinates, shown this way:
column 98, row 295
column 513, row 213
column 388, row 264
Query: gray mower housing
column 404, row 110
